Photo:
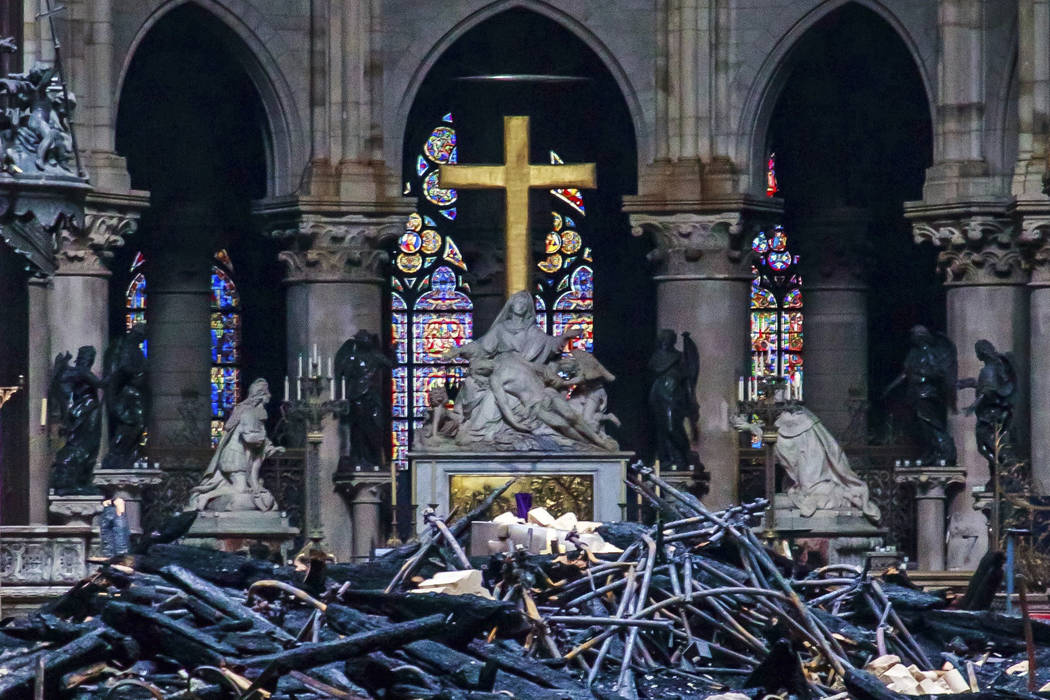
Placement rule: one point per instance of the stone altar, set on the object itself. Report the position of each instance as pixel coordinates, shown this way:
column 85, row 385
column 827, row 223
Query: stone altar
column 434, row 472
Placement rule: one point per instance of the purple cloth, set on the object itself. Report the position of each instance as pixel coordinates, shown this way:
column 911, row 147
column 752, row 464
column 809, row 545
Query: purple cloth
column 524, row 503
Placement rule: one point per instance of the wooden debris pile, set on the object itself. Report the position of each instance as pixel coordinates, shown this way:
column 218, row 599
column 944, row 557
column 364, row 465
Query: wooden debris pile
column 694, row 607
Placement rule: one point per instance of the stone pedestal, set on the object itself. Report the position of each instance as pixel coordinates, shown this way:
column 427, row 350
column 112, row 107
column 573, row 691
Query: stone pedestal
column 363, row 492
column 128, row 484
column 930, row 484
column 235, row 531
column 75, row 510
column 434, row 473
column 839, row 536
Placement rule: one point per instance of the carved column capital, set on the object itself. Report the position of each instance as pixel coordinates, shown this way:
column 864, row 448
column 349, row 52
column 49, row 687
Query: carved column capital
column 930, row 481
column 1034, row 241
column 108, row 220
column 335, row 249
column 698, row 245
column 981, row 249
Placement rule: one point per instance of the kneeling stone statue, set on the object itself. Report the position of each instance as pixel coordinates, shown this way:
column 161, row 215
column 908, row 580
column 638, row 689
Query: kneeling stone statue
column 231, row 482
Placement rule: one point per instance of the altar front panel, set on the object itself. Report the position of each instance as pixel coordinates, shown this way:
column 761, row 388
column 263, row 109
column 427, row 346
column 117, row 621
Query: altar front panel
column 591, row 481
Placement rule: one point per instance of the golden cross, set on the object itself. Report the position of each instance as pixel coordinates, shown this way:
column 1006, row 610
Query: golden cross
column 517, row 176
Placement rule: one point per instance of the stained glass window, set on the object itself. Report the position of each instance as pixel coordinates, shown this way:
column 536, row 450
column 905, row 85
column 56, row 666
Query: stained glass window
column 565, row 290
column 771, row 175
column 225, row 344
column 225, row 329
column 776, row 308
column 430, row 306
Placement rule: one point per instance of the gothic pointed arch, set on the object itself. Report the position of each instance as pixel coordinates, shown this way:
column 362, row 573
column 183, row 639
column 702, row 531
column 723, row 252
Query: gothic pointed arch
column 240, row 28
column 768, row 79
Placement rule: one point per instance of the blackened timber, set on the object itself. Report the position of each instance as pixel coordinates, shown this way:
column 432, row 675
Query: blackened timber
column 80, row 652
column 318, row 654
column 215, row 597
column 158, row 632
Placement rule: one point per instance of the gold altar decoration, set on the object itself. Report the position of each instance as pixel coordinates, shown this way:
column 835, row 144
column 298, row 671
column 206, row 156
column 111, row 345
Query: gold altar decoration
column 516, row 176
column 558, row 493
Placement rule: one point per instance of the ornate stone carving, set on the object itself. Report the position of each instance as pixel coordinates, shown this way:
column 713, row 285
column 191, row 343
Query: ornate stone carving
column 929, row 480
column 682, row 240
column 85, row 250
column 977, row 249
column 30, row 556
column 335, row 249
column 1034, row 241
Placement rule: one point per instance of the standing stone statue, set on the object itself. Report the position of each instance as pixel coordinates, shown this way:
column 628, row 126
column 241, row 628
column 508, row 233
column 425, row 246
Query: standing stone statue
column 930, row 370
column 361, row 364
column 125, row 366
column 672, row 397
column 231, row 482
column 995, row 390
column 74, row 388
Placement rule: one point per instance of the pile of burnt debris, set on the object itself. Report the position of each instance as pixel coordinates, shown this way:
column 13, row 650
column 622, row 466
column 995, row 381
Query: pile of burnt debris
column 694, row 607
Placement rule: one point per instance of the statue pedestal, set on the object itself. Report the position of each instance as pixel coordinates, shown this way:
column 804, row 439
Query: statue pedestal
column 842, row 536
column 75, row 510
column 127, row 484
column 234, row 531
column 931, row 483
column 363, row 491
column 587, row 483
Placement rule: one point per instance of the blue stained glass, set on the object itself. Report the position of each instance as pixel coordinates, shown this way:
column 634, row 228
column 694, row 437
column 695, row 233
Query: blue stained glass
column 421, row 165
column 760, row 244
column 449, row 214
column 447, row 118
column 223, row 291
column 429, row 222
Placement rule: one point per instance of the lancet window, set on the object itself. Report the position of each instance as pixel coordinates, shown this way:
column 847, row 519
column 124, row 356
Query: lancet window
column 225, row 332
column 430, row 306
column 776, row 308
column 565, row 287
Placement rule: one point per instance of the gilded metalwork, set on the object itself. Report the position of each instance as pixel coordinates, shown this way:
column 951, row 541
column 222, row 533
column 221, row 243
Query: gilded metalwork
column 558, row 493
column 516, row 176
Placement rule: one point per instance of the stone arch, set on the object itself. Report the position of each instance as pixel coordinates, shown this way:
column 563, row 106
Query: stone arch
column 285, row 135
column 772, row 75
column 424, row 61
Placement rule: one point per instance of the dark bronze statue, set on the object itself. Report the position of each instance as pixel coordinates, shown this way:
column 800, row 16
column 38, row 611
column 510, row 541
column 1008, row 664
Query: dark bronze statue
column 672, row 397
column 930, row 370
column 361, row 364
column 995, row 389
column 74, row 388
column 125, row 366
column 36, row 136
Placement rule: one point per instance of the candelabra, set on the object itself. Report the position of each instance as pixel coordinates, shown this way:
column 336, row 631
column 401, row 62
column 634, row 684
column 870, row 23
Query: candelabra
column 311, row 410
column 758, row 408
column 7, row 392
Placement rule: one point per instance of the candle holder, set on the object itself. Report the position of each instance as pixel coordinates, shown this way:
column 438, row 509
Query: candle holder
column 8, row 392
column 311, row 407
column 766, row 398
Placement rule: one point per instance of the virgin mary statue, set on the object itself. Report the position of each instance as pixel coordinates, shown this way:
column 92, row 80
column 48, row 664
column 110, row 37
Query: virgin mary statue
column 515, row 330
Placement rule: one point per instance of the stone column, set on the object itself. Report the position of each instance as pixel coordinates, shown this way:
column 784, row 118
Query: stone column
column 703, row 282
column 835, row 303
column 930, row 483
column 334, row 285
column 178, row 316
column 987, row 299
column 39, row 377
column 1036, row 238
column 364, row 493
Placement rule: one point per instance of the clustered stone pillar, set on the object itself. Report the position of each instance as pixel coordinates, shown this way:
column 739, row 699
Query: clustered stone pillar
column 703, row 283
column 334, row 288
column 835, row 299
column 987, row 299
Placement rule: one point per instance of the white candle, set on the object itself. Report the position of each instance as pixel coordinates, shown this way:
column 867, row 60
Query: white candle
column 299, row 389
column 315, row 356
column 331, row 388
column 740, row 389
column 344, row 387
column 287, row 396
column 330, row 370
column 300, row 364
column 43, row 412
